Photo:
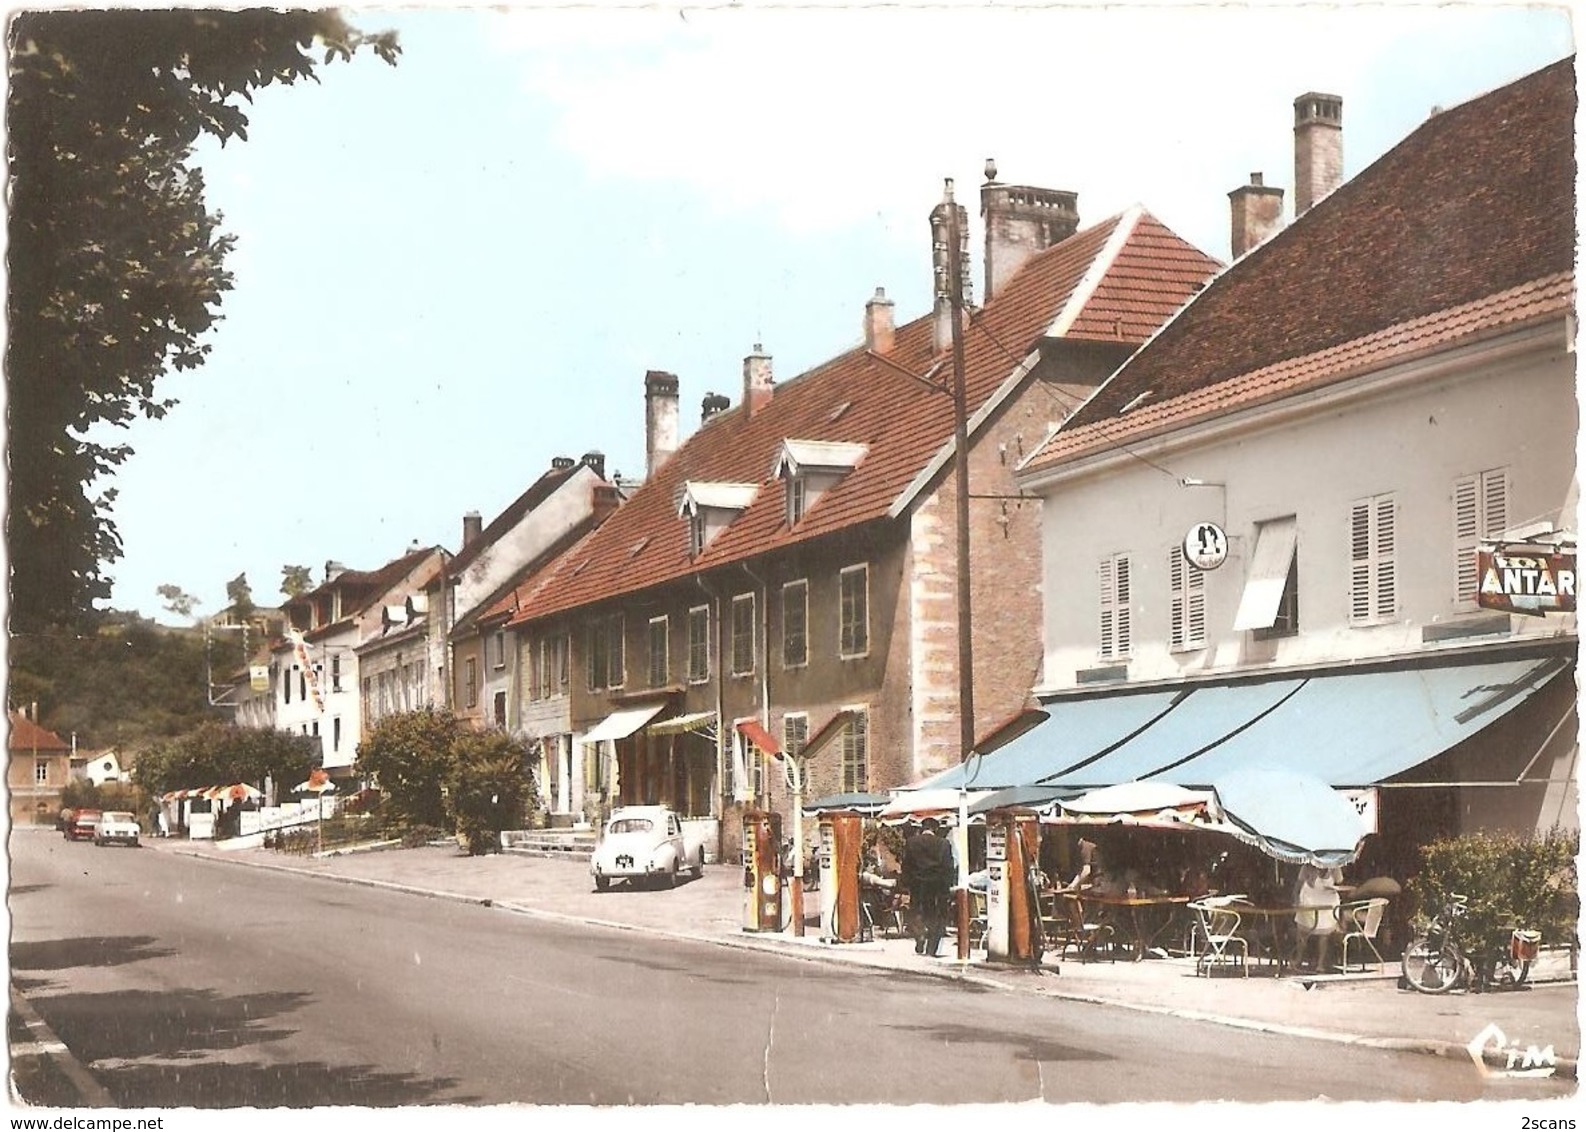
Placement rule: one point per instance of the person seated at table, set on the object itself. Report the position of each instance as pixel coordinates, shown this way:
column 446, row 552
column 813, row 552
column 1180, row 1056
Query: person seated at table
column 1316, row 898
column 1194, row 881
column 1089, row 871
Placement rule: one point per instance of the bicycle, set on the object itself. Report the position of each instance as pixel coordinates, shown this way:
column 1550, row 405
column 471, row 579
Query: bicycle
column 1434, row 964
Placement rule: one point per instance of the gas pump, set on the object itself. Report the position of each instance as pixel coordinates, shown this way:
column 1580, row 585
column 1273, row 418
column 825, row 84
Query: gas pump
column 839, row 848
column 1013, row 919
column 762, row 871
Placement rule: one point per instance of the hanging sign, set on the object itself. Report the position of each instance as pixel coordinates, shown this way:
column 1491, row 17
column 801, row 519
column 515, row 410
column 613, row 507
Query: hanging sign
column 1529, row 579
column 1206, row 546
column 259, row 677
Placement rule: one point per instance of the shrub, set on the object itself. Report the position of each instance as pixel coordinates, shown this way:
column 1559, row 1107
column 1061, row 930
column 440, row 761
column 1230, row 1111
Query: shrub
column 1508, row 882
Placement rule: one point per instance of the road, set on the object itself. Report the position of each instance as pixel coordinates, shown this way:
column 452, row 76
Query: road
column 187, row 983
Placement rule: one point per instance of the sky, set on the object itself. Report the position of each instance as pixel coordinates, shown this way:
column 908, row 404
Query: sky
column 452, row 271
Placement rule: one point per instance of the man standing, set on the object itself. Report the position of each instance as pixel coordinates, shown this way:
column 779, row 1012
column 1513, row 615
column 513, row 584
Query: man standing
column 928, row 871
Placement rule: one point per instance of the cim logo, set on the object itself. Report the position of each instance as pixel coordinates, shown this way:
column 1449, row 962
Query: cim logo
column 1496, row 1056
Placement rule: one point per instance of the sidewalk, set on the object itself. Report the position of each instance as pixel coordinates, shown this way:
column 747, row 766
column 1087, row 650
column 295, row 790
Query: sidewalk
column 1366, row 1010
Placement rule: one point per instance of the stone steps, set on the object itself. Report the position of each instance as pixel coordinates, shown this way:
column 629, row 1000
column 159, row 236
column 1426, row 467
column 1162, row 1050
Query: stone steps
column 577, row 845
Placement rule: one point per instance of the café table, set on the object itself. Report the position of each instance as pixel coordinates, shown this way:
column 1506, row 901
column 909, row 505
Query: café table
column 1275, row 923
column 1142, row 915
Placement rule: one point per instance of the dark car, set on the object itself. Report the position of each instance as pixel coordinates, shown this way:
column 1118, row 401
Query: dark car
column 84, row 825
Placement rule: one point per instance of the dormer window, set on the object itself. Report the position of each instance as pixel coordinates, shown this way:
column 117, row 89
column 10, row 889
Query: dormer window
column 709, row 508
column 810, row 468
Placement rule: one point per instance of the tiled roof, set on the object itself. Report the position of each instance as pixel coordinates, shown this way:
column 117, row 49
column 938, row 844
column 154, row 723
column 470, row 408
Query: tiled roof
column 538, row 492
column 855, row 399
column 1496, row 314
column 29, row 736
column 365, row 587
column 1478, row 202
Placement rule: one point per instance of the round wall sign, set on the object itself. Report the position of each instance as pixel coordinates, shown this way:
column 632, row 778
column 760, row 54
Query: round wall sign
column 1206, row 546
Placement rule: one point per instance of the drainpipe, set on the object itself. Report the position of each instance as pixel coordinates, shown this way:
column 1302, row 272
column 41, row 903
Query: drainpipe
column 718, row 810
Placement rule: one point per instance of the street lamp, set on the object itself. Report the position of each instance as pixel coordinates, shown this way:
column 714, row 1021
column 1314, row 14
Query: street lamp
column 950, row 261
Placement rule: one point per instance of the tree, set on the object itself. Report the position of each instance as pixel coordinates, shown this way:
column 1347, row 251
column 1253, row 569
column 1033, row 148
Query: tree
column 219, row 754
column 409, row 756
column 487, row 785
column 240, row 597
column 177, row 600
column 116, row 267
column 296, row 580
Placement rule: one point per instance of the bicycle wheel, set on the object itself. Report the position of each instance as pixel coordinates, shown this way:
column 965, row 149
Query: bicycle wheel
column 1510, row 973
column 1432, row 968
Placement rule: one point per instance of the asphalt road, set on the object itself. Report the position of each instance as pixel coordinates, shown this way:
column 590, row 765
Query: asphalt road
column 186, row 983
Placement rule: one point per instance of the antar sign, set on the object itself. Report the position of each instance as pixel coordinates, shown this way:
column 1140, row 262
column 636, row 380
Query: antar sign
column 1526, row 579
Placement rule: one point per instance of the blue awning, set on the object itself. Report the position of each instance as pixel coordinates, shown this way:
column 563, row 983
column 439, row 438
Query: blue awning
column 1075, row 730
column 1200, row 720
column 1292, row 816
column 1362, row 728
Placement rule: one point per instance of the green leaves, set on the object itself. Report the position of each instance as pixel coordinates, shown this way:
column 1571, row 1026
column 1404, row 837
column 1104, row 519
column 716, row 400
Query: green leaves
column 1508, row 882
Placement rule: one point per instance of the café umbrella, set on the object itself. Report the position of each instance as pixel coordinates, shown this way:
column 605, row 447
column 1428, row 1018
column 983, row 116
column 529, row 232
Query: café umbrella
column 1291, row 816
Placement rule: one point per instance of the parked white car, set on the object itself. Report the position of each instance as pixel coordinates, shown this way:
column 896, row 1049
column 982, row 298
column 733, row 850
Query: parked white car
column 645, row 844
column 117, row 826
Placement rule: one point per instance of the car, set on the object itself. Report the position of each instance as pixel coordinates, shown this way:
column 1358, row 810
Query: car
column 82, row 825
column 118, row 826
column 645, row 844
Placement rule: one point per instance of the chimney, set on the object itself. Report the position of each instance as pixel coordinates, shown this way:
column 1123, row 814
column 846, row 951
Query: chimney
column 333, row 569
column 878, row 323
column 1257, row 213
column 1318, row 148
column 595, row 462
column 714, row 403
column 605, row 500
column 942, row 264
column 757, row 382
column 660, row 419
column 1021, row 221
column 473, row 526
column 563, row 463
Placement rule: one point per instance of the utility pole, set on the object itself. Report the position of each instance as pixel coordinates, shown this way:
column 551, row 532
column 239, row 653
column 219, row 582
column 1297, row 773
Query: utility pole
column 949, row 240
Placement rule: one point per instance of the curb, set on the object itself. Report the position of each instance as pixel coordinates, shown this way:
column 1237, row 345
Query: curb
column 52, row 1049
column 813, row 952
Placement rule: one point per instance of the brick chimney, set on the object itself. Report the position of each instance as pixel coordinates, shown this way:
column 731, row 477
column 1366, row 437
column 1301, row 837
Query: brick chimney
column 660, row 419
column 879, row 330
column 1257, row 213
column 604, row 500
column 712, row 404
column 1318, row 148
column 1020, row 221
column 757, row 382
column 473, row 526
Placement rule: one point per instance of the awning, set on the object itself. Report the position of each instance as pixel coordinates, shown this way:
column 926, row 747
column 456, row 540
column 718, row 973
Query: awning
column 1041, row 799
column 1363, row 728
column 1292, row 816
column 1269, row 574
column 939, row 803
column 679, row 724
column 751, row 730
column 832, row 728
column 621, row 724
column 859, row 803
column 1072, row 732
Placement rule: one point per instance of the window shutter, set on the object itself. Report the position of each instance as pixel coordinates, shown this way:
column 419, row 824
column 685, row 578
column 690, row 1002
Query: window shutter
column 1495, row 502
column 1387, row 574
column 1197, row 604
column 1107, row 628
column 1467, row 526
column 1123, row 607
column 1178, row 613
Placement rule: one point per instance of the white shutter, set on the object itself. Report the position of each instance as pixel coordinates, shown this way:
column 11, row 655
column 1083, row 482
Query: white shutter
column 1387, row 603
column 1178, row 613
column 1197, row 604
column 1124, row 640
column 1360, row 562
column 1467, row 527
column 1107, row 628
column 1494, row 502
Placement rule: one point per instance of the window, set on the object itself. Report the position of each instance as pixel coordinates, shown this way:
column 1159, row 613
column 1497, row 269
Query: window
column 854, row 599
column 696, row 532
column 1116, row 637
column 660, row 662
column 564, row 660
column 335, row 673
column 335, row 733
column 286, row 686
column 471, row 682
column 795, row 734
column 1481, row 511
column 795, row 499
column 41, row 772
column 856, row 754
column 699, row 644
column 302, row 685
column 743, row 635
column 1271, row 589
column 1186, row 603
column 1373, row 581
column 606, row 668
column 316, row 729
column 498, row 648
column 795, row 624
column 498, row 709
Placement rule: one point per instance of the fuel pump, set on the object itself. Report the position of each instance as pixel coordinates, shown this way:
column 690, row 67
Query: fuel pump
column 839, row 848
column 762, row 871
column 1013, row 918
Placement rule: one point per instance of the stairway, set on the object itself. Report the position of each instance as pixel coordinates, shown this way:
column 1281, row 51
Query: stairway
column 569, row 844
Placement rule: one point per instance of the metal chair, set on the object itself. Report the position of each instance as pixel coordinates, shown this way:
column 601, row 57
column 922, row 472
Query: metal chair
column 1221, row 943
column 1360, row 922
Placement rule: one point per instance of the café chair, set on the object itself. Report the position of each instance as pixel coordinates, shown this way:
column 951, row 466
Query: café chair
column 1221, row 943
column 1085, row 933
column 1360, row 921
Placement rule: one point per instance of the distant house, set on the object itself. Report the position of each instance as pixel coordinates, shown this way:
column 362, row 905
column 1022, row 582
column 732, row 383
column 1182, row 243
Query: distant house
column 99, row 767
column 38, row 769
column 784, row 580
column 1356, row 404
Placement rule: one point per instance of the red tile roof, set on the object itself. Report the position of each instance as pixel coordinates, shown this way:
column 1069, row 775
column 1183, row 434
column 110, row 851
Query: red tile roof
column 1142, row 273
column 1477, row 204
column 29, row 736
